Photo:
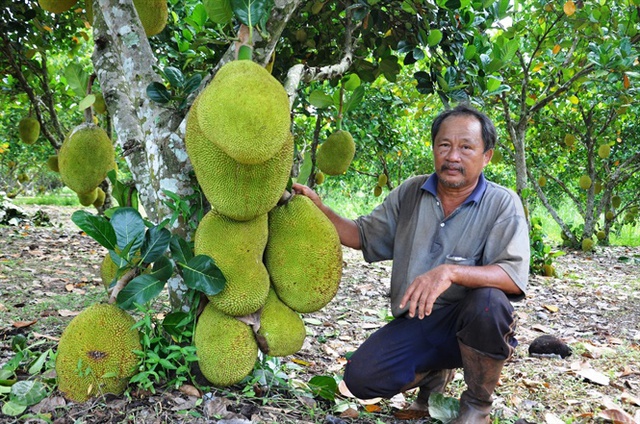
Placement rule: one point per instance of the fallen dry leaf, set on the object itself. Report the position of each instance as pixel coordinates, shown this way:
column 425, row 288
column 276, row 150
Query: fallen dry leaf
column 594, row 376
column 67, row 313
column 551, row 308
column 550, row 418
column 23, row 324
column 617, row 416
column 190, row 390
column 630, row 399
column 349, row 413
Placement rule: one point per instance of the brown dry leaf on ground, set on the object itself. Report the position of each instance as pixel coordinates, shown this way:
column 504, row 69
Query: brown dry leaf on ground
column 593, row 306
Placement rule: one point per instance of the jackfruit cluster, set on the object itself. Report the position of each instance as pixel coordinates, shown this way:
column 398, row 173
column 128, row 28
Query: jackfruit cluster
column 95, row 353
column 240, row 145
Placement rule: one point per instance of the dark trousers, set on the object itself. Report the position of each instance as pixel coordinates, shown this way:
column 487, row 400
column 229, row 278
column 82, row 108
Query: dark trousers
column 392, row 356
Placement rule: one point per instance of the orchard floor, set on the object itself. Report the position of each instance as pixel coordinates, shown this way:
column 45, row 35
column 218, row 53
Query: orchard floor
column 49, row 273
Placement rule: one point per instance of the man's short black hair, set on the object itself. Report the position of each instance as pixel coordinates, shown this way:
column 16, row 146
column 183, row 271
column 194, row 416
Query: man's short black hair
column 489, row 134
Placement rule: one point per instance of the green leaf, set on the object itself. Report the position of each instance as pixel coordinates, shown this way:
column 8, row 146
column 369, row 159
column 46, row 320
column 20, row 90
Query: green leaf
column 28, row 392
column 390, row 68
column 162, row 269
column 192, row 83
column 324, row 387
column 201, row 273
column 180, row 249
column 175, row 322
column 351, row 82
column 158, row 92
column 199, row 15
column 492, row 84
column 77, row 78
column 305, row 169
column 250, row 12
column 156, row 241
column 13, row 409
column 470, row 51
column 219, row 11
column 320, row 99
column 443, row 408
column 129, row 228
column 37, row 365
column 96, row 227
column 140, row 290
column 434, row 37
column 87, row 102
column 354, row 100
column 174, row 76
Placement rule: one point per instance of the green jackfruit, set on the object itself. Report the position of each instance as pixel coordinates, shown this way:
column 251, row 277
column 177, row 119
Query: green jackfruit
column 57, row 6
column 153, row 15
column 29, row 130
column 282, row 331
column 227, row 349
column 99, row 105
column 108, row 270
column 245, row 112
column 85, row 158
column 87, row 199
column 584, row 182
column 303, row 255
column 335, row 155
column 95, row 353
column 100, row 198
column 237, row 249
column 52, row 163
column 241, row 192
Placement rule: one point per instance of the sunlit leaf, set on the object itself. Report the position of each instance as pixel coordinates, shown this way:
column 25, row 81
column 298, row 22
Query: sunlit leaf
column 96, row 227
column 140, row 290
column 89, row 100
column 219, row 11
column 323, row 386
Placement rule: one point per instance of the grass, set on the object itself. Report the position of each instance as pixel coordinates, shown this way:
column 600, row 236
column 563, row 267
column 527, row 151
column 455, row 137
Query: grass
column 63, row 197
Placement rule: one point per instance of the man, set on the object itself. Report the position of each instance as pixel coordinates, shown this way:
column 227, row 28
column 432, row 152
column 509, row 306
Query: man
column 460, row 251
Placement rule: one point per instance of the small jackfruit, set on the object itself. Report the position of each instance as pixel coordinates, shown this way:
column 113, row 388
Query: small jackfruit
column 100, row 198
column 542, row 181
column 153, row 15
column 23, row 177
column 227, row 349
column 382, row 180
column 241, row 192
column 584, row 182
column 95, row 353
column 335, row 155
column 587, row 245
column 609, row 216
column 99, row 105
column 604, row 151
column 319, row 178
column 282, row 331
column 601, row 235
column 303, row 255
column 87, row 199
column 57, row 6
column 108, row 270
column 245, row 112
column 569, row 140
column 616, row 201
column 29, row 130
column 85, row 158
column 52, row 163
column 237, row 249
column 377, row 191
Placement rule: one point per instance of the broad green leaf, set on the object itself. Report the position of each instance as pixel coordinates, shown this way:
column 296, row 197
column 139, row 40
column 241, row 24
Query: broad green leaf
column 351, row 82
column 390, row 68
column 305, row 168
column 28, row 392
column 174, row 76
column 201, row 273
column 320, row 99
column 219, row 11
column 443, row 408
column 175, row 322
column 192, row 83
column 140, row 290
column 199, row 15
column 470, row 51
column 96, row 227
column 162, row 269
column 156, row 241
column 77, row 78
column 353, row 101
column 250, row 12
column 180, row 249
column 37, row 365
column 89, row 100
column 158, row 92
column 324, row 387
column 129, row 228
column 434, row 37
column 13, row 409
column 492, row 84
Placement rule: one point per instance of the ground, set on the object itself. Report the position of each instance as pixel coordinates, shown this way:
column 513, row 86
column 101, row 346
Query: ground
column 49, row 273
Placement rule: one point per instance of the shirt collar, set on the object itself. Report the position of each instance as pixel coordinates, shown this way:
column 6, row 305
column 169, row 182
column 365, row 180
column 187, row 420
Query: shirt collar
column 432, row 183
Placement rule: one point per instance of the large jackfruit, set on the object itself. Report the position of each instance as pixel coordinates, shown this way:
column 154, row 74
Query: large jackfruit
column 227, row 349
column 95, row 353
column 29, row 130
column 282, row 331
column 303, row 255
column 153, row 15
column 335, row 155
column 241, row 192
column 85, row 157
column 57, row 6
column 245, row 112
column 237, row 249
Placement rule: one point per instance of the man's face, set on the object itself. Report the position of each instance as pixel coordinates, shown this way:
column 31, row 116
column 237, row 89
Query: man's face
column 458, row 152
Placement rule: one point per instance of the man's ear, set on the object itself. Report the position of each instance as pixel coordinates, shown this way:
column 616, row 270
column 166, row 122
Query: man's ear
column 487, row 156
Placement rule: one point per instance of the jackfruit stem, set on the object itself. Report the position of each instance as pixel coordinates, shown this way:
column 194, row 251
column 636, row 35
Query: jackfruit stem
column 122, row 283
column 285, row 198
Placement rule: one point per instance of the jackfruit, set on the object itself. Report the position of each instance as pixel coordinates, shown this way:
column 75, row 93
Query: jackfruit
column 85, row 158
column 99, row 105
column 542, row 181
column 584, row 182
column 237, row 249
column 604, row 151
column 100, row 198
column 52, row 163
column 241, row 192
column 108, row 270
column 95, row 353
column 227, row 349
column 29, row 130
column 87, row 199
column 335, row 155
column 319, row 178
column 303, row 255
column 601, row 235
column 23, row 177
column 282, row 331
column 382, row 180
column 616, row 201
column 587, row 245
column 153, row 15
column 245, row 112
column 57, row 6
column 377, row 191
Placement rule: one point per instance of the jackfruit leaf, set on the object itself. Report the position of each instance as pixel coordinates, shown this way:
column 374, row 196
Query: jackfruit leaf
column 158, row 92
column 162, row 268
column 192, row 83
column 323, row 386
column 96, row 227
column 140, row 290
column 305, row 169
column 250, row 12
column 219, row 11
column 320, row 99
column 87, row 101
column 129, row 228
column 443, row 408
column 390, row 68
column 201, row 273
column 13, row 409
column 28, row 392
column 174, row 76
column 180, row 249
column 354, row 100
column 434, row 37
column 175, row 323
column 77, row 78
column 351, row 82
column 156, row 241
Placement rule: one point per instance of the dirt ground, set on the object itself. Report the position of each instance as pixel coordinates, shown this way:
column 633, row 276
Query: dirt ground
column 49, row 273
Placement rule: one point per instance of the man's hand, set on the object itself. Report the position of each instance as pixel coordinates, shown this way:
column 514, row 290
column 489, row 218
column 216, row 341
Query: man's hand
column 306, row 191
column 425, row 289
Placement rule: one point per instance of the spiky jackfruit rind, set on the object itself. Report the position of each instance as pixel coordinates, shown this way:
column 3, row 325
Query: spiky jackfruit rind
column 29, row 130
column 95, row 353
column 335, row 155
column 57, row 6
column 108, row 270
column 303, row 255
column 281, row 328
column 226, row 348
column 153, row 15
column 99, row 105
column 241, row 192
column 85, row 157
column 237, row 247
column 245, row 112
